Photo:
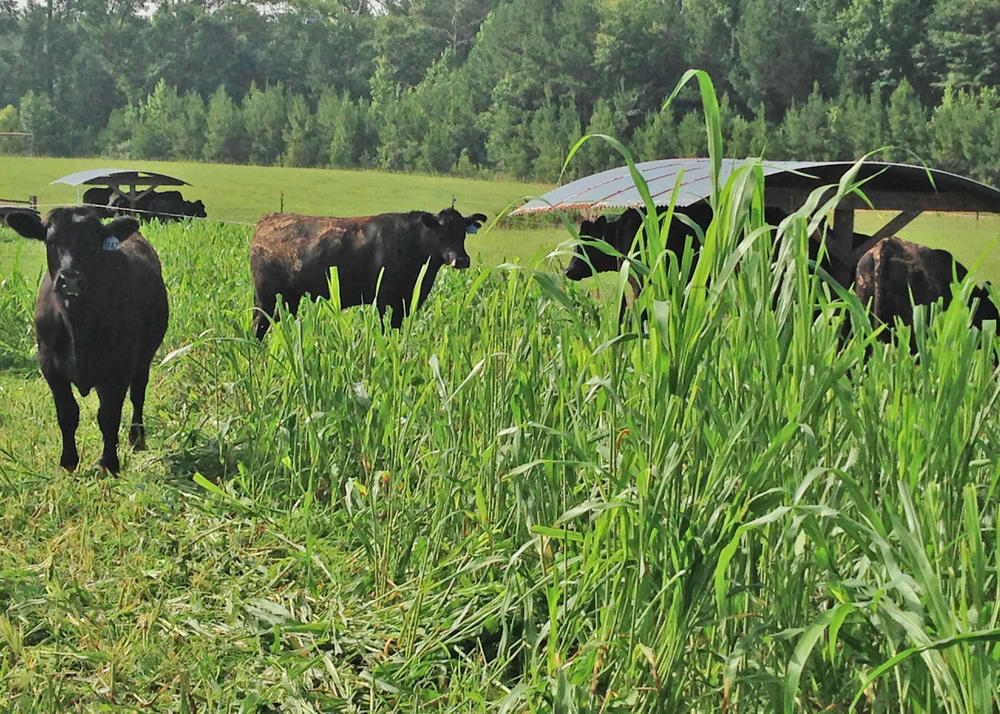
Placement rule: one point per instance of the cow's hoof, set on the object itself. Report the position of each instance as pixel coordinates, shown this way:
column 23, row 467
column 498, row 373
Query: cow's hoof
column 137, row 438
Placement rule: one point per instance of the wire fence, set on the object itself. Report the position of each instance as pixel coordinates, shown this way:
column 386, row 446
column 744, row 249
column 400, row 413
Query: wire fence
column 139, row 211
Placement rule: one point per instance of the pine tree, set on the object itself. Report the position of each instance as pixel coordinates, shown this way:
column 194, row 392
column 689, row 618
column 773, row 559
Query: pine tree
column 555, row 127
column 805, row 130
column 301, row 145
column 264, row 120
column 225, row 135
column 908, row 126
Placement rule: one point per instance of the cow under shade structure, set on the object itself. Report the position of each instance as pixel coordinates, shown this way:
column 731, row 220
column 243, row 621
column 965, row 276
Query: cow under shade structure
column 894, row 275
column 100, row 316
column 378, row 258
column 133, row 192
column 905, row 190
column 171, row 206
column 590, row 257
column 605, row 243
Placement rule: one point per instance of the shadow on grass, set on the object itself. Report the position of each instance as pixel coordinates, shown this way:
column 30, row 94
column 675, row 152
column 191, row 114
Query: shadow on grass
column 216, row 461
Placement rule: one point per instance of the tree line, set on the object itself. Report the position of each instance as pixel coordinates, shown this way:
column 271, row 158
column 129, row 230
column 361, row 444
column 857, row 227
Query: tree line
column 499, row 86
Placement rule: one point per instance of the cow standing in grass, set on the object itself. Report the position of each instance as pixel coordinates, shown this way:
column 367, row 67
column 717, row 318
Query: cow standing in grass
column 100, row 316
column 593, row 257
column 99, row 200
column 174, row 209
column 291, row 255
column 608, row 241
column 894, row 275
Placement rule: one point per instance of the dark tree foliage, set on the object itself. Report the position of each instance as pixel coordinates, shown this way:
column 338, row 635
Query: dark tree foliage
column 878, row 43
column 779, row 57
column 499, row 87
column 641, row 44
column 414, row 35
column 310, row 47
column 712, row 30
column 963, row 43
column 191, row 47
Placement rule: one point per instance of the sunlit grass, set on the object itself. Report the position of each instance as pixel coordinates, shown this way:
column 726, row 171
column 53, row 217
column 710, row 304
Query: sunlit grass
column 515, row 503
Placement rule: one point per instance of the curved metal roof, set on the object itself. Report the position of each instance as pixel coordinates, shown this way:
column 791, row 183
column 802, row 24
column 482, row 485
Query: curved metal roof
column 891, row 186
column 120, row 177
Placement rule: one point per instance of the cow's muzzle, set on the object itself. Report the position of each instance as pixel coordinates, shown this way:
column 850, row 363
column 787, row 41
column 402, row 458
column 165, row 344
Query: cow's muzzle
column 69, row 285
column 459, row 261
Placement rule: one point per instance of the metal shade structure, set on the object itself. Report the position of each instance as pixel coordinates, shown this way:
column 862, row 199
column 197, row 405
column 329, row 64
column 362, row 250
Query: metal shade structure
column 787, row 184
column 908, row 189
column 120, row 177
column 126, row 181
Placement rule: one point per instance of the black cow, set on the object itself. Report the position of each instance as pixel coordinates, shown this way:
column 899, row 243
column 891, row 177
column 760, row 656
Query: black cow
column 620, row 233
column 291, row 255
column 162, row 205
column 589, row 258
column 98, row 199
column 893, row 270
column 175, row 209
column 101, row 314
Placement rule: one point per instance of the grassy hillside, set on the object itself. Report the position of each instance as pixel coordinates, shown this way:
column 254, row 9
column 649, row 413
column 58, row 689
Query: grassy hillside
column 241, row 194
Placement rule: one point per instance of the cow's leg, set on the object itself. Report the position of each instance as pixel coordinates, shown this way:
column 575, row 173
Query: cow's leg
column 137, row 393
column 109, row 419
column 396, row 314
column 265, row 304
column 68, row 414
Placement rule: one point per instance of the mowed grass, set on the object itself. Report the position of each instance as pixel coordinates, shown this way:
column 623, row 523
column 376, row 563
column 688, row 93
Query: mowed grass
column 241, row 194
column 238, row 195
column 513, row 503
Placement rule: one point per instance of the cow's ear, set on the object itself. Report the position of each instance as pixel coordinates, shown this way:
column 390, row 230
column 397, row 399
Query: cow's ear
column 601, row 222
column 429, row 220
column 27, row 224
column 122, row 228
column 473, row 222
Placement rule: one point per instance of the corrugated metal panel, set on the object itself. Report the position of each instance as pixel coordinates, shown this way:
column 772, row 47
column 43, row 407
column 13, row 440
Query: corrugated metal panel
column 614, row 189
column 104, row 177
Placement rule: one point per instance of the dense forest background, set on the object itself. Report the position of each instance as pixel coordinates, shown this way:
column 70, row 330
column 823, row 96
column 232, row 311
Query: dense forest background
column 499, row 87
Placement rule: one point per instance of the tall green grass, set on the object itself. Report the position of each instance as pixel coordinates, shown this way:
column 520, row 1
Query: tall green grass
column 737, row 500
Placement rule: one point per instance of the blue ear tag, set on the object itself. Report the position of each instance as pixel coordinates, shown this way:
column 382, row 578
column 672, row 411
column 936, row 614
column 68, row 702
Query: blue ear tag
column 472, row 228
column 111, row 243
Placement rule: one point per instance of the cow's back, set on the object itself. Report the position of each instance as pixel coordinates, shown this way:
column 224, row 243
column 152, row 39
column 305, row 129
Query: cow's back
column 291, row 254
column 896, row 274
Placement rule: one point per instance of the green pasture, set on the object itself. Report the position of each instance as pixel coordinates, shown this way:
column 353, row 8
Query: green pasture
column 739, row 499
column 241, row 194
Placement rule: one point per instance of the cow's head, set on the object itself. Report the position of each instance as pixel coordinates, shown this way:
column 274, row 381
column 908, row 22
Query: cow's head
column 77, row 245
column 589, row 253
column 445, row 233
